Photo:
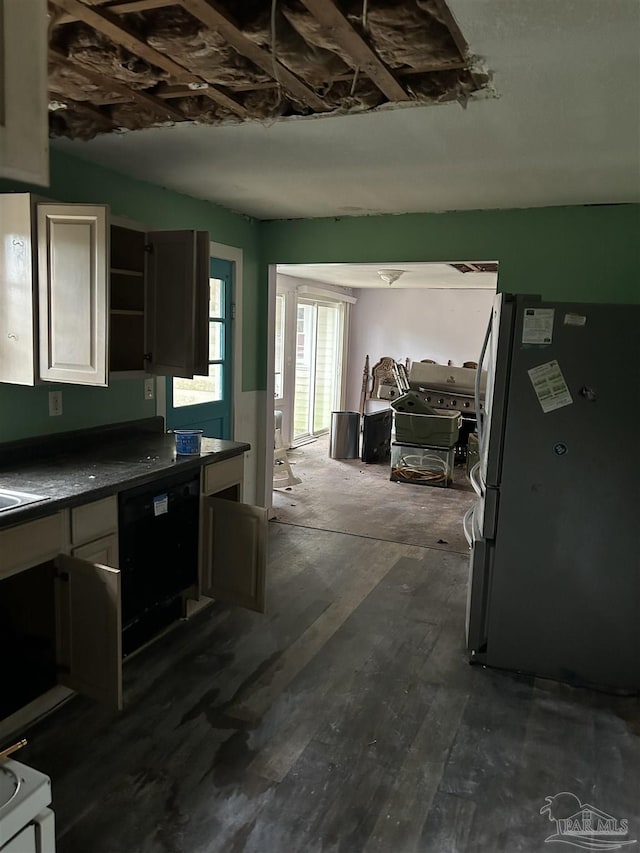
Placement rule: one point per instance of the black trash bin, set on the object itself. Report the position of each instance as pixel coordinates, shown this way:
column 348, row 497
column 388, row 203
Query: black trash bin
column 344, row 439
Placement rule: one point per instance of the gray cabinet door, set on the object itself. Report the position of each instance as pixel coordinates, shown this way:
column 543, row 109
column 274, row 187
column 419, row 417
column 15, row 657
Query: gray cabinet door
column 235, row 552
column 89, row 628
column 176, row 293
column 73, row 259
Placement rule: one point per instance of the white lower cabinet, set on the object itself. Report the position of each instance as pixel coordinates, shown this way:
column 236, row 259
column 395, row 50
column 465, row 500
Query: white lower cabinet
column 67, row 606
column 233, row 539
column 60, row 573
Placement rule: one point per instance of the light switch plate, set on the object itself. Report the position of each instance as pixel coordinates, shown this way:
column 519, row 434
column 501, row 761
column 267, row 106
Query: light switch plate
column 149, row 388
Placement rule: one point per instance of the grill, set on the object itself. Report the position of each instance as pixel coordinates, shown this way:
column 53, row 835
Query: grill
column 448, row 387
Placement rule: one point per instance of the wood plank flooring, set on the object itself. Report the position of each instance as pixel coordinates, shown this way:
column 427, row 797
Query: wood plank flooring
column 346, row 719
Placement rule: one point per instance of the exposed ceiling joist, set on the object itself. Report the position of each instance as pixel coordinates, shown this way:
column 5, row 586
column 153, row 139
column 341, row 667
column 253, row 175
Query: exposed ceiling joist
column 84, row 107
column 162, row 108
column 115, row 30
column 456, row 34
column 166, row 90
column 452, row 25
column 123, row 8
column 189, row 53
column 216, row 19
column 341, row 30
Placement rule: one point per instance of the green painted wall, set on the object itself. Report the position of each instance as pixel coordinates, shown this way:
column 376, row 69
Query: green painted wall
column 571, row 253
column 24, row 411
column 589, row 254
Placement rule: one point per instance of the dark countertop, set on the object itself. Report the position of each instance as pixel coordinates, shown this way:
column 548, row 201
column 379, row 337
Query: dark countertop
column 77, row 468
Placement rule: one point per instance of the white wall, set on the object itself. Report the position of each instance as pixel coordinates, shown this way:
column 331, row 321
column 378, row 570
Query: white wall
column 437, row 324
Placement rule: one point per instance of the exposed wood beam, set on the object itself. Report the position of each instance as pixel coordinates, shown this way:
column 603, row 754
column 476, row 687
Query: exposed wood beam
column 82, row 106
column 108, row 25
column 332, row 19
column 119, row 33
column 212, row 16
column 119, row 8
column 452, row 25
column 166, row 91
column 161, row 108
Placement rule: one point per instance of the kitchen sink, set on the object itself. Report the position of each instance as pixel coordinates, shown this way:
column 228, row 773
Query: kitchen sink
column 13, row 500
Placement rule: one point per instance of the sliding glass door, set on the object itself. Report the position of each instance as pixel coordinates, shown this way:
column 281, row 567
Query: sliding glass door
column 318, row 363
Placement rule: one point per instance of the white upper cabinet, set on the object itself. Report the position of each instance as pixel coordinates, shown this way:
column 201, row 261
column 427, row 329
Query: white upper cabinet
column 73, row 294
column 24, row 118
column 82, row 298
column 18, row 299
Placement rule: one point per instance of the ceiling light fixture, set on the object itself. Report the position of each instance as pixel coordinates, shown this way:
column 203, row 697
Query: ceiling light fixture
column 390, row 275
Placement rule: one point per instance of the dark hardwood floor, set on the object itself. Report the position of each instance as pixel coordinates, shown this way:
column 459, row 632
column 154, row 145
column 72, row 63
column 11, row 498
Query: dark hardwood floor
column 346, row 719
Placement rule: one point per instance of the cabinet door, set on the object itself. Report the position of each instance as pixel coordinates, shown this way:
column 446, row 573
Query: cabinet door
column 24, row 126
column 73, row 262
column 235, row 552
column 177, row 328
column 18, row 329
column 103, row 551
column 89, row 627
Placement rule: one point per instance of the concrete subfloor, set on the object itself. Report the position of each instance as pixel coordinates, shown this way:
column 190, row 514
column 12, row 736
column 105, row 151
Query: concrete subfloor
column 348, row 496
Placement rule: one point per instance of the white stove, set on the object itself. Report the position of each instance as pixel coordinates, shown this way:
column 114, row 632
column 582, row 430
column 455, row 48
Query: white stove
column 26, row 824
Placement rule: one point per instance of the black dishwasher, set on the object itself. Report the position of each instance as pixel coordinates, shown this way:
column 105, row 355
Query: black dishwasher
column 158, row 540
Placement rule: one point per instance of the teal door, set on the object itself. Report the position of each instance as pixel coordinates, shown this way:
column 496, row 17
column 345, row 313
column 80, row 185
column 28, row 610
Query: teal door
column 204, row 402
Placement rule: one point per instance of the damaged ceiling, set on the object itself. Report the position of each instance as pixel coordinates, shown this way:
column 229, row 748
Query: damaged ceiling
column 116, row 65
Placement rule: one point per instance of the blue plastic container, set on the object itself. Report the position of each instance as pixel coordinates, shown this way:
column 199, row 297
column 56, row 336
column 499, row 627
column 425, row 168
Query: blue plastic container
column 188, row 441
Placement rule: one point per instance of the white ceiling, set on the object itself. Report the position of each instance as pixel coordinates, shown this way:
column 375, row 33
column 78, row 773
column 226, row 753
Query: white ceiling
column 438, row 276
column 563, row 129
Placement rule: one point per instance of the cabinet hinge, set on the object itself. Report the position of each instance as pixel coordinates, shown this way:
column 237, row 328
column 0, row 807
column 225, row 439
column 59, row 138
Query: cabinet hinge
column 233, row 310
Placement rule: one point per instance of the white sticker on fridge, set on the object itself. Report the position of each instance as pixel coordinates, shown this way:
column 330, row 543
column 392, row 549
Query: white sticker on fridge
column 575, row 320
column 549, row 384
column 537, row 326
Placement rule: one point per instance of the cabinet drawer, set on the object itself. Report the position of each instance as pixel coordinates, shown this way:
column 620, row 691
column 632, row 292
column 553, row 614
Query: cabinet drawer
column 93, row 520
column 221, row 475
column 103, row 551
column 32, row 543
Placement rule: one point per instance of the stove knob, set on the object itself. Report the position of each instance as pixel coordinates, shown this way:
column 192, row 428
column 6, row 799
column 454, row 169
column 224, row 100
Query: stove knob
column 453, row 402
column 440, row 401
column 428, row 399
column 466, row 404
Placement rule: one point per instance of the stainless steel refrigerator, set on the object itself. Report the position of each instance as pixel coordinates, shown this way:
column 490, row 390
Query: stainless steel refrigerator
column 554, row 585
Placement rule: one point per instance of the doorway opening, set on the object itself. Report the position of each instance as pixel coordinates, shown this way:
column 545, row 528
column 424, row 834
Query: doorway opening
column 431, row 313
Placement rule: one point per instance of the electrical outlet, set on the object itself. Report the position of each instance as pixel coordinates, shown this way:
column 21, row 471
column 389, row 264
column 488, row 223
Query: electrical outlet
column 149, row 388
column 55, row 403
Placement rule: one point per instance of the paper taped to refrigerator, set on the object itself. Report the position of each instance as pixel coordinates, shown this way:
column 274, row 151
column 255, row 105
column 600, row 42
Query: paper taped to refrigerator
column 575, row 320
column 549, row 384
column 537, row 327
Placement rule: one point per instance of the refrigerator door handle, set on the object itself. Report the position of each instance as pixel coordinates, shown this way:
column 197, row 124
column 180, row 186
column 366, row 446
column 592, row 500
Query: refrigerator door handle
column 476, row 482
column 466, row 525
column 483, row 352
